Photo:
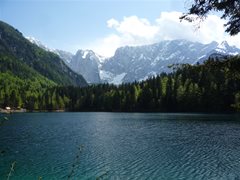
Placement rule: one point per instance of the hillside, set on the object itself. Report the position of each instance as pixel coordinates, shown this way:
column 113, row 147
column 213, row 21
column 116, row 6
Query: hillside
column 20, row 85
column 47, row 64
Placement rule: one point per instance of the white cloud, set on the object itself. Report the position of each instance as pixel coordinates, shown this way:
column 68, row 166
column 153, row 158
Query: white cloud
column 112, row 23
column 134, row 31
column 170, row 27
column 136, row 27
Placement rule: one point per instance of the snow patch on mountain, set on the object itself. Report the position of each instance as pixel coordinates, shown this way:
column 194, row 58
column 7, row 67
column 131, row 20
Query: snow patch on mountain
column 118, row 79
column 85, row 53
column 106, row 76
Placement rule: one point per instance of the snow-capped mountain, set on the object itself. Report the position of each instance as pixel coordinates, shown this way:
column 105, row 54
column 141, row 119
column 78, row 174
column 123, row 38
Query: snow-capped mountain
column 223, row 49
column 138, row 63
column 141, row 62
column 86, row 62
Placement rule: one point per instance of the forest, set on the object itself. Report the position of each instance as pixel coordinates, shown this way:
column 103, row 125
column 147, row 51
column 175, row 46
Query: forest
column 210, row 87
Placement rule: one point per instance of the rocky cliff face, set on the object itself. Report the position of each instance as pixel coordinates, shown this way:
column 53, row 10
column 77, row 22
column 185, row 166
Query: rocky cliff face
column 86, row 63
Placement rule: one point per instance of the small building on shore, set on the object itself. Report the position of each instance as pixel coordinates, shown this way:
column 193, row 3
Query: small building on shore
column 8, row 108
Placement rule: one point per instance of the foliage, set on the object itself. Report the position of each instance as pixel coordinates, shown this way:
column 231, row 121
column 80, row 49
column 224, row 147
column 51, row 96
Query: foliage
column 16, row 92
column 230, row 9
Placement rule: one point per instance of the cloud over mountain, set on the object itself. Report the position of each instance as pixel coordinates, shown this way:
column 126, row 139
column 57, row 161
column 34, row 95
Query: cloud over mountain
column 134, row 31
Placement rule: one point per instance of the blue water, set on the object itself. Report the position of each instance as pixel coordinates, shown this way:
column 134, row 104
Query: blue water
column 120, row 146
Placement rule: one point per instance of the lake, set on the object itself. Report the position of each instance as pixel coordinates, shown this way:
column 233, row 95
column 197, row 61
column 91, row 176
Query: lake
column 120, row 146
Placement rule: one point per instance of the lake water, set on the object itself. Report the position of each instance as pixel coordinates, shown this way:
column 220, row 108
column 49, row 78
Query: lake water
column 120, row 146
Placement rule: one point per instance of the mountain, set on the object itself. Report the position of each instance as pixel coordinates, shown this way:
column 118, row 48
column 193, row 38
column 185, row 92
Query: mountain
column 138, row 63
column 87, row 63
column 45, row 63
column 221, row 50
column 84, row 62
column 141, row 62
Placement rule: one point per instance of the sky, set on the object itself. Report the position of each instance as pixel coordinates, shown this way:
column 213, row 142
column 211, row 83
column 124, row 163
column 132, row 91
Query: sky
column 105, row 25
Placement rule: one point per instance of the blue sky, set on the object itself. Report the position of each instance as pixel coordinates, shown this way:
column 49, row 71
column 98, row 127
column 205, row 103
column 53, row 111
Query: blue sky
column 101, row 25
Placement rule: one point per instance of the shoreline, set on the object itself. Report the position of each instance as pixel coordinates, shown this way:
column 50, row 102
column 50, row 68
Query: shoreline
column 8, row 111
column 4, row 111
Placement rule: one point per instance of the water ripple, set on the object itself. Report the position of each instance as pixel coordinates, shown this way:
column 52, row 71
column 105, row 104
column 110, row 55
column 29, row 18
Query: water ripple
column 121, row 146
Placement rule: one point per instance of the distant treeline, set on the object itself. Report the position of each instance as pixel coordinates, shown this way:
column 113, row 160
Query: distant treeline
column 210, row 87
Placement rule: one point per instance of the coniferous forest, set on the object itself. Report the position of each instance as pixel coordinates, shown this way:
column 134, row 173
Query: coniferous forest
column 210, row 87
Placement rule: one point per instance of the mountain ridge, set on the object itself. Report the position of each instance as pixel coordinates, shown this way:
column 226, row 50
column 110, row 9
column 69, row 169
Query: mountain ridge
column 137, row 63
